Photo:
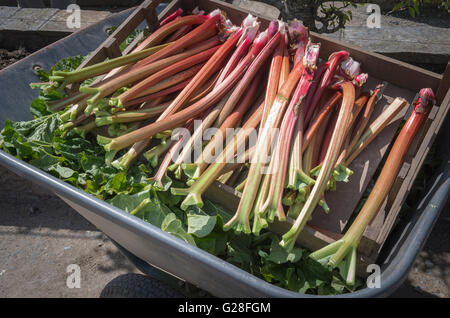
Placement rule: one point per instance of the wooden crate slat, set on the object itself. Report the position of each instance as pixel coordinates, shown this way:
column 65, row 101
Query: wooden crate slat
column 235, row 14
column 444, row 85
column 171, row 7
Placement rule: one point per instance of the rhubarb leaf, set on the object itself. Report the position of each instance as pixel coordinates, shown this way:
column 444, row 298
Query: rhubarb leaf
column 200, row 224
column 38, row 108
column 278, row 254
column 173, row 225
column 129, row 202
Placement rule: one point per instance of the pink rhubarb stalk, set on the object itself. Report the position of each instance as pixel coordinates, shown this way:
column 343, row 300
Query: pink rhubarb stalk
column 273, row 206
column 240, row 220
column 348, row 100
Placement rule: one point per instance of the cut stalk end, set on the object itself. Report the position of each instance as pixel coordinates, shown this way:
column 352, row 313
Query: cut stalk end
column 192, row 198
column 300, row 180
column 259, row 223
column 124, row 162
column 103, row 121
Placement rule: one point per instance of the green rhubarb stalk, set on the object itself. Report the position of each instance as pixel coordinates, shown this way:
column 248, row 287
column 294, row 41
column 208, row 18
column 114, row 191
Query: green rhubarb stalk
column 55, row 106
column 109, row 86
column 83, row 130
column 297, row 178
column 129, row 116
column 153, row 155
column 346, row 247
column 102, row 67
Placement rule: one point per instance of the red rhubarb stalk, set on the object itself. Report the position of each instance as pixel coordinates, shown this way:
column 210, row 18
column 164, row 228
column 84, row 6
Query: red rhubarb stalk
column 332, row 65
column 178, row 12
column 174, row 120
column 111, row 85
column 200, row 33
column 161, row 75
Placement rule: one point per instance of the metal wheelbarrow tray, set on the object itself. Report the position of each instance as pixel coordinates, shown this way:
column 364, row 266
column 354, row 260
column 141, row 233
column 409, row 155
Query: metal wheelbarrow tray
column 204, row 270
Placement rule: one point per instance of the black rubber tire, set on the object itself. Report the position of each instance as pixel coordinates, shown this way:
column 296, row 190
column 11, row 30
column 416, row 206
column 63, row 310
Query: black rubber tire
column 138, row 286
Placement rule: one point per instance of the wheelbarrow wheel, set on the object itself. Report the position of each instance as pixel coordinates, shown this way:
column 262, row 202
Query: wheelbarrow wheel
column 138, row 286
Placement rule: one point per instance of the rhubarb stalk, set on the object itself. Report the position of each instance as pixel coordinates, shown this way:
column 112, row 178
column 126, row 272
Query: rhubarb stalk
column 346, row 247
column 273, row 206
column 240, row 221
column 348, row 100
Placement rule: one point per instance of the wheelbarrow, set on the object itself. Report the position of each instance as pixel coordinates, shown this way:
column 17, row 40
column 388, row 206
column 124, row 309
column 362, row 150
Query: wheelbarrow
column 165, row 257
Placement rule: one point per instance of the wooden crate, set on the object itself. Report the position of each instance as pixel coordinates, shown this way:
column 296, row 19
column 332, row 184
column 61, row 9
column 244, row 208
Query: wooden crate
column 403, row 80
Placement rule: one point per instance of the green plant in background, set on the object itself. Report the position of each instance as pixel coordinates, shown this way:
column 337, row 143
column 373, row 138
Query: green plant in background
column 326, row 16
column 413, row 5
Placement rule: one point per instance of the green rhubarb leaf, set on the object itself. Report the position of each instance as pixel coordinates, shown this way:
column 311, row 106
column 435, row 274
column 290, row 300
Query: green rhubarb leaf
column 217, row 209
column 38, row 108
column 44, row 161
column 129, row 202
column 173, row 225
column 62, row 172
column 278, row 254
column 199, row 223
column 118, row 184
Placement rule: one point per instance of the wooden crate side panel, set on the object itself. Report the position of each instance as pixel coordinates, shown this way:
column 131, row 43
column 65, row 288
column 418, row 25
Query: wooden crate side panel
column 444, row 86
column 235, row 14
column 396, row 72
